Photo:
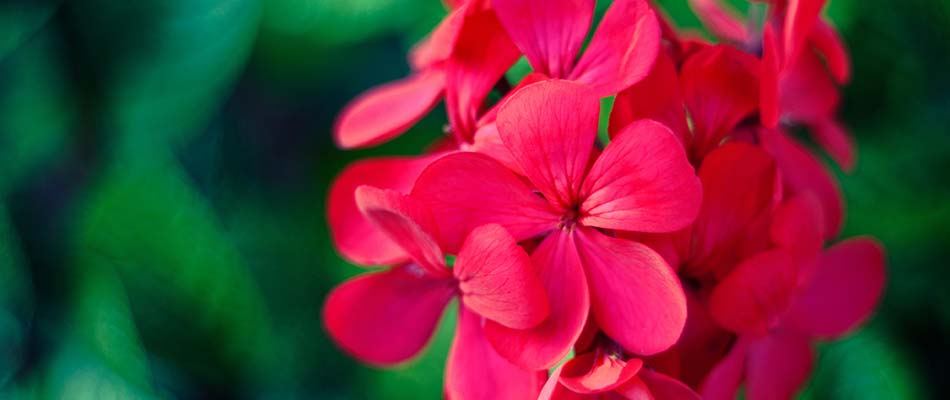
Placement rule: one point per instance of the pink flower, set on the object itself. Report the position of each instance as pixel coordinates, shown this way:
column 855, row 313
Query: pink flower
column 796, row 86
column 355, row 236
column 387, row 317
column 602, row 374
column 718, row 85
column 613, row 230
column 551, row 32
column 799, row 89
column 781, row 300
column 719, row 88
column 802, row 172
column 461, row 60
column 728, row 230
column 572, row 201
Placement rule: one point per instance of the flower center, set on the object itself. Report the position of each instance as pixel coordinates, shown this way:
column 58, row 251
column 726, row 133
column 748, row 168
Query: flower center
column 569, row 219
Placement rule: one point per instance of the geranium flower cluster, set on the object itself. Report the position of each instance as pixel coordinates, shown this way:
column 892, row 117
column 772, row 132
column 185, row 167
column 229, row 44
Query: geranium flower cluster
column 695, row 253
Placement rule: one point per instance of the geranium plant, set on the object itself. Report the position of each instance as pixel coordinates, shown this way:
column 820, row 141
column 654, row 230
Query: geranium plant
column 693, row 253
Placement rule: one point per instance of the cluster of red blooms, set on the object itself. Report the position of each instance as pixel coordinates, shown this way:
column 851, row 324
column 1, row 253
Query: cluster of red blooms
column 694, row 254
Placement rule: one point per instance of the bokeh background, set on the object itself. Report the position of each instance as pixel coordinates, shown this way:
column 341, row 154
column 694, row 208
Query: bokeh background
column 164, row 163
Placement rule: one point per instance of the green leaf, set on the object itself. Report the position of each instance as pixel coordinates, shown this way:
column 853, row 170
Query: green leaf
column 333, row 22
column 36, row 109
column 145, row 220
column 16, row 305
column 866, row 366
column 164, row 65
column 97, row 354
column 312, row 43
column 20, row 19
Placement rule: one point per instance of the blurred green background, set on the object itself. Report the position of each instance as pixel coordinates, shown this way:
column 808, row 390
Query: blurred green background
column 163, row 167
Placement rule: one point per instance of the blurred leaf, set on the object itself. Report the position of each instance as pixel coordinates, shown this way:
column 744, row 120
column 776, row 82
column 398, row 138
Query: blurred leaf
column 866, row 366
column 16, row 306
column 98, row 354
column 165, row 66
column 104, row 323
column 19, row 19
column 76, row 373
column 334, row 22
column 314, row 42
column 35, row 109
column 841, row 13
column 145, row 219
column 101, row 356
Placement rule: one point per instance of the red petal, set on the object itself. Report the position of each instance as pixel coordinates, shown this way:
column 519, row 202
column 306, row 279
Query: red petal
column 635, row 296
column 439, row 44
column 723, row 381
column 665, row 387
column 642, row 182
column 779, row 365
column 703, row 343
column 466, row 190
column 674, row 247
column 727, row 213
column 801, row 172
column 550, row 127
column 753, row 296
column 622, row 50
column 721, row 20
column 586, row 341
column 824, row 308
column 634, row 389
column 491, row 115
column 488, row 142
column 386, row 111
column 549, row 32
column 497, row 280
column 721, row 87
column 482, row 55
column 475, row 371
column 355, row 237
column 597, row 372
column 835, row 139
column 770, row 70
column 797, row 226
column 406, row 223
column 656, row 97
column 807, row 93
column 562, row 275
column 828, row 42
column 554, row 390
column 386, row 317
column 800, row 18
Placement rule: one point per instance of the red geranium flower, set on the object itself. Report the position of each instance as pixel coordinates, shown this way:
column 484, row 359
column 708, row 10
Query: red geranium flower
column 610, row 229
column 641, row 182
column 718, row 85
column 781, row 300
column 602, row 374
column 462, row 59
column 796, row 86
column 551, row 32
column 728, row 229
column 356, row 237
column 387, row 317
